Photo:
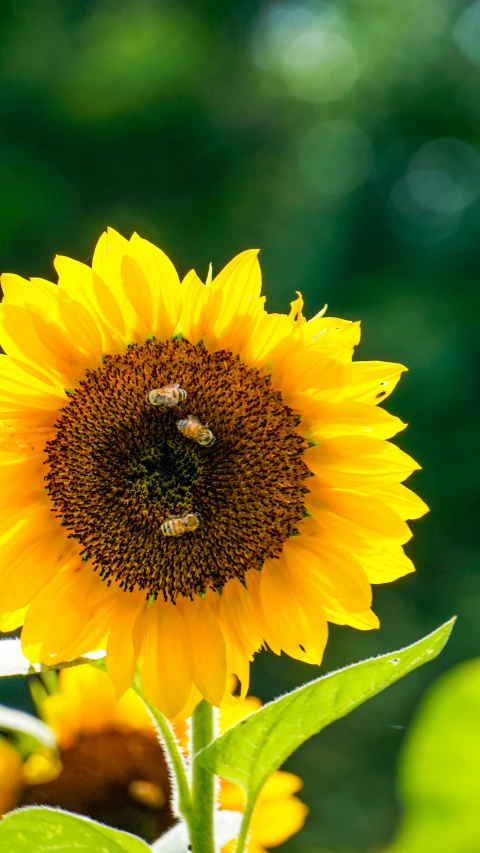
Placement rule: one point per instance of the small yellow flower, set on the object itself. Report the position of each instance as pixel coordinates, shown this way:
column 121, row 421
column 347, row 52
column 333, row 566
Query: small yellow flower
column 113, row 769
column 112, row 766
column 10, row 776
column 184, row 551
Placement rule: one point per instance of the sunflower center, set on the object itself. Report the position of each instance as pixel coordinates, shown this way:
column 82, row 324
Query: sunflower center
column 159, row 469
column 117, row 777
column 121, row 471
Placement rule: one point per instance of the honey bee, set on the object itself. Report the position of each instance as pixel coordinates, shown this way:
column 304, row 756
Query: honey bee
column 191, row 427
column 178, row 526
column 169, row 395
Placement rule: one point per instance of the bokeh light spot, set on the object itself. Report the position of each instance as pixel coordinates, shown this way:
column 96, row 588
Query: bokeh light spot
column 466, row 32
column 414, row 220
column 427, row 205
column 335, row 157
column 455, row 159
column 435, row 189
column 308, row 50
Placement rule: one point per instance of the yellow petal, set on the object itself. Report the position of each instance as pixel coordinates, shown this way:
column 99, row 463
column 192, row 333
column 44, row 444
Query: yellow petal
column 19, row 339
column 42, row 299
column 95, row 629
column 241, row 307
column 164, row 286
column 366, row 511
column 131, row 713
column 373, row 381
column 230, row 715
column 241, row 283
column 37, row 372
column 385, row 562
column 83, row 285
column 296, row 310
column 323, row 332
column 107, row 263
column 274, row 821
column 181, row 720
column 208, row 649
column 57, row 614
column 10, row 776
column 38, row 557
column 20, row 390
column 333, row 530
column 84, row 704
column 237, row 615
column 231, row 796
column 21, row 482
column 308, row 373
column 121, row 658
column 267, row 336
column 352, row 418
column 366, row 621
column 403, row 501
column 81, row 328
column 164, row 657
column 279, row 786
column 337, row 575
column 293, row 625
column 253, row 580
column 38, row 292
column 110, row 310
column 200, row 308
column 236, row 336
column 359, row 462
column 238, row 672
column 57, row 340
column 138, row 292
column 12, row 621
column 14, row 288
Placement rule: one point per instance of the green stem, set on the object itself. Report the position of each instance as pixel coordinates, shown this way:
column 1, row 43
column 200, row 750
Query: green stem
column 196, row 804
column 245, row 825
column 203, row 783
column 170, row 742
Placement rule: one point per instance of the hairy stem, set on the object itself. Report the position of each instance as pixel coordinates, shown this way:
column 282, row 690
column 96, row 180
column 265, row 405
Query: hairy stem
column 177, row 764
column 203, row 782
column 245, row 825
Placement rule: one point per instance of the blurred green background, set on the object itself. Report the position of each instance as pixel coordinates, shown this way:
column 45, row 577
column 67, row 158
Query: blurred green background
column 343, row 138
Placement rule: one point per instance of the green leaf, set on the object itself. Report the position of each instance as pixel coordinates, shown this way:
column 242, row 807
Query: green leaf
column 14, row 662
column 39, row 830
column 251, row 750
column 439, row 768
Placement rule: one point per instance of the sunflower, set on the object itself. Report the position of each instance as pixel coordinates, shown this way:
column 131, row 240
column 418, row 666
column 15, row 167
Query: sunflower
column 135, row 406
column 112, row 766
